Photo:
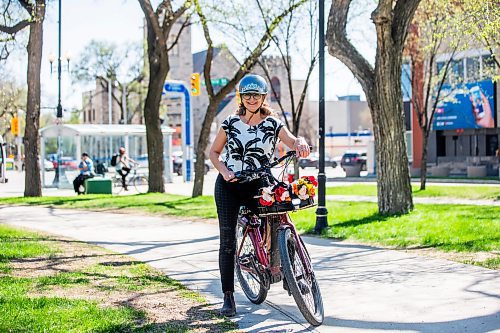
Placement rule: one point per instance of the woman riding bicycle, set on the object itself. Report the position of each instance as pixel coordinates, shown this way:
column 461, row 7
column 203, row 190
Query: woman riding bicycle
column 249, row 138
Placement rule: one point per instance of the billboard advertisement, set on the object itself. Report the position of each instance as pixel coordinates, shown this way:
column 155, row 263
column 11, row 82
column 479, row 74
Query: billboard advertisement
column 469, row 105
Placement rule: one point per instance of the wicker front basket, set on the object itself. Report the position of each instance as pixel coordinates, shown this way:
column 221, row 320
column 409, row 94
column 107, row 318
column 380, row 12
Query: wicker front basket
column 283, row 207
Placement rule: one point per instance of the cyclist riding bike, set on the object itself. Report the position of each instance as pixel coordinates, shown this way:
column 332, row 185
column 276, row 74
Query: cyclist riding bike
column 249, row 138
column 123, row 166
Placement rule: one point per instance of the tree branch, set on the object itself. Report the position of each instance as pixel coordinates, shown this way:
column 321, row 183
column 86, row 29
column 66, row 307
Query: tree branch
column 185, row 24
column 151, row 18
column 16, row 28
column 207, row 68
column 403, row 13
column 341, row 48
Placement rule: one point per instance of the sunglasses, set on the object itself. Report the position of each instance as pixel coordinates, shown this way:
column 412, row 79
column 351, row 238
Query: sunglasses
column 247, row 97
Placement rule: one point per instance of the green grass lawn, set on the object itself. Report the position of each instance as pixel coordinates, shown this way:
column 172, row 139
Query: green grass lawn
column 445, row 227
column 21, row 311
column 474, row 192
column 154, row 203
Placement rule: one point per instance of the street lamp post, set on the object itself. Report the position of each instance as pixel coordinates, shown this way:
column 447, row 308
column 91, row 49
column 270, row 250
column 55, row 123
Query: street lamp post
column 59, row 108
column 321, row 211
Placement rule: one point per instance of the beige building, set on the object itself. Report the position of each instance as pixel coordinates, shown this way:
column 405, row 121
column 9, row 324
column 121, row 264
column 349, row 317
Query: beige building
column 348, row 125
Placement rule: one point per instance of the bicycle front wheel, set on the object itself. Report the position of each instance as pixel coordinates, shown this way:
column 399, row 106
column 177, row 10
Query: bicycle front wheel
column 251, row 281
column 302, row 285
column 141, row 184
column 117, row 185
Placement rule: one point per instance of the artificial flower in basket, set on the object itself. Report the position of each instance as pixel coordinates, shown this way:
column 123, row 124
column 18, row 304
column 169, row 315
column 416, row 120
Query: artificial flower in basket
column 281, row 193
column 266, row 197
column 304, row 187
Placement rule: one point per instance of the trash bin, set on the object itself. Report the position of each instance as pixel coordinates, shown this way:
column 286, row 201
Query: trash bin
column 352, row 170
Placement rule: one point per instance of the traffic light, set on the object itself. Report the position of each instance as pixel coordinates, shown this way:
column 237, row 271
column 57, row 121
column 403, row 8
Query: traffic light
column 195, row 84
column 14, row 126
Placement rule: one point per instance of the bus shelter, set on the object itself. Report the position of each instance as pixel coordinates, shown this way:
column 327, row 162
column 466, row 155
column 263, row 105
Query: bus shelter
column 64, row 144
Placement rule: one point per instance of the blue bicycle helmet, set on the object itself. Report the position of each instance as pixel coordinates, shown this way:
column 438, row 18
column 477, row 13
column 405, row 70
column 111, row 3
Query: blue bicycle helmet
column 252, row 84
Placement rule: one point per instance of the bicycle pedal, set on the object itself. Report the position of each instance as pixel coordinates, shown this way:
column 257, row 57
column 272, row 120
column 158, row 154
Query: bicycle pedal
column 245, row 260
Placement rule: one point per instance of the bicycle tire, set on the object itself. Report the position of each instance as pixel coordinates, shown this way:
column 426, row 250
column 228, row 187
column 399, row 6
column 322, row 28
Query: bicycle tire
column 305, row 292
column 254, row 289
column 141, row 184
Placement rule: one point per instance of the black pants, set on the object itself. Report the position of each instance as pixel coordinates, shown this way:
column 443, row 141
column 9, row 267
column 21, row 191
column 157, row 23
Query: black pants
column 124, row 172
column 79, row 181
column 228, row 198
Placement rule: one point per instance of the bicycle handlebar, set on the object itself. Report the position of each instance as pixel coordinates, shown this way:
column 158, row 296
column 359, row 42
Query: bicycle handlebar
column 245, row 176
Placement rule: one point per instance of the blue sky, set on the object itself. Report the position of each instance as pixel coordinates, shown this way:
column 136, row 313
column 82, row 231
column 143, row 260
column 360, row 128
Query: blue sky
column 120, row 21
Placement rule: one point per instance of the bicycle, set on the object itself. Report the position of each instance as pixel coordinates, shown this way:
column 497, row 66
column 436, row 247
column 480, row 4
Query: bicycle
column 138, row 180
column 269, row 250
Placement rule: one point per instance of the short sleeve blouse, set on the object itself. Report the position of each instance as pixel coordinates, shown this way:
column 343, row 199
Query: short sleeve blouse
column 249, row 147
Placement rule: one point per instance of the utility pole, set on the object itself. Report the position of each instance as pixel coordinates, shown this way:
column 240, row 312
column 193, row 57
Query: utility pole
column 59, row 114
column 321, row 211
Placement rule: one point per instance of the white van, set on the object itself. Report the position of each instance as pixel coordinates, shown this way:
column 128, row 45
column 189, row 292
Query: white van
column 3, row 161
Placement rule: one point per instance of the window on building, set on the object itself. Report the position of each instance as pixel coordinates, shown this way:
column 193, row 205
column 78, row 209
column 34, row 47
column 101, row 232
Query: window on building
column 457, row 70
column 276, row 91
column 473, row 69
column 488, row 69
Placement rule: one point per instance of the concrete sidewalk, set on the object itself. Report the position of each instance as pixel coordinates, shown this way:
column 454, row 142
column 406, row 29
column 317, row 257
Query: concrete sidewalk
column 364, row 289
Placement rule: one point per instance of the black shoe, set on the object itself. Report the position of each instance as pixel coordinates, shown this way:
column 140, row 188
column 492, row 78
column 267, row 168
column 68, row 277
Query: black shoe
column 229, row 307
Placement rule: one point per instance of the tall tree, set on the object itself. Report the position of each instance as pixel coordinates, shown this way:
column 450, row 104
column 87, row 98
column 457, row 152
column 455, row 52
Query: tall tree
column 216, row 97
column 382, row 86
column 290, row 41
column 34, row 17
column 113, row 65
column 429, row 36
column 159, row 24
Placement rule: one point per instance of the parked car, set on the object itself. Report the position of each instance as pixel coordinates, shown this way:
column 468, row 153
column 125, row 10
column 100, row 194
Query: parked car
column 353, row 159
column 313, row 161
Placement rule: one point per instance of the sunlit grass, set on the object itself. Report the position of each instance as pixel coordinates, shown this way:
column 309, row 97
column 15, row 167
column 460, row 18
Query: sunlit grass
column 20, row 311
column 473, row 192
column 446, row 227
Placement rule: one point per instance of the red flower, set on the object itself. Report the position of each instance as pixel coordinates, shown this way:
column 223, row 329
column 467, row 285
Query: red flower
column 278, row 194
column 264, row 202
column 311, row 179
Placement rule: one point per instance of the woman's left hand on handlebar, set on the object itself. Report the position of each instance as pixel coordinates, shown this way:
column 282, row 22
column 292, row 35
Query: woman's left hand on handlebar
column 301, row 147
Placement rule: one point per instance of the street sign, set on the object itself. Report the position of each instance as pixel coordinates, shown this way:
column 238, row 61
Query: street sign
column 218, row 82
column 176, row 88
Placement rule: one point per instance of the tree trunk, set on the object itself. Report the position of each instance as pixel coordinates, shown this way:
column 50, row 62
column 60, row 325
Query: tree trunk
column 33, row 186
column 158, row 70
column 199, row 167
column 386, row 105
column 423, row 166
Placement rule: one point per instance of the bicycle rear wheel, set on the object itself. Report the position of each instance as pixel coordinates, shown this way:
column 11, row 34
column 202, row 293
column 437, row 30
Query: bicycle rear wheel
column 303, row 286
column 141, row 184
column 251, row 281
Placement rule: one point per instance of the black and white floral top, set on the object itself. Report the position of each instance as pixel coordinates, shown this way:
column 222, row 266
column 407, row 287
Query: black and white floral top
column 249, row 147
